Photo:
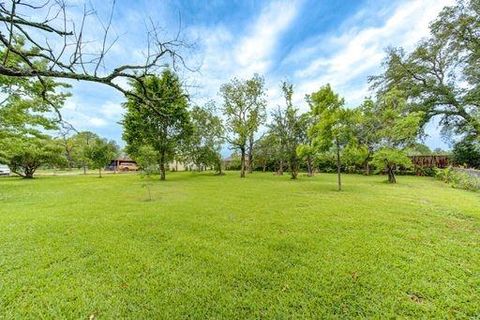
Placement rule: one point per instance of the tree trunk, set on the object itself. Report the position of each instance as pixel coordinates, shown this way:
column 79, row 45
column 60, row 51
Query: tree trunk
column 250, row 154
column 220, row 172
column 242, row 163
column 99, row 172
column 69, row 161
column 293, row 169
column 294, row 174
column 264, row 167
column 84, row 169
column 391, row 175
column 367, row 164
column 162, row 165
column 28, row 173
column 309, row 167
column 339, row 174
column 280, row 168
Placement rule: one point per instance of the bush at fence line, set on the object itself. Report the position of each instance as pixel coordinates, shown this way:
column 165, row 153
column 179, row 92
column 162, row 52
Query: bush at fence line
column 458, row 179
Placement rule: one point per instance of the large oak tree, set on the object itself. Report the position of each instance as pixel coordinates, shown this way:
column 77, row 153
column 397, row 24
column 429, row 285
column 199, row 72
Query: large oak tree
column 441, row 76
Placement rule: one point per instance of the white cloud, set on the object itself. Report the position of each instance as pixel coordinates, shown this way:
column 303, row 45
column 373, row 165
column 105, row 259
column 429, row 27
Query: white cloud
column 254, row 52
column 112, row 111
column 86, row 117
column 226, row 54
column 359, row 51
column 343, row 59
column 97, row 122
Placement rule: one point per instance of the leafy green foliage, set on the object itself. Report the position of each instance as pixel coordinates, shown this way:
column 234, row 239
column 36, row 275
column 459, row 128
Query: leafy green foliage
column 100, row 152
column 354, row 157
column 306, row 150
column 397, row 131
column 308, row 153
column 244, row 109
column 28, row 111
column 440, row 77
column 75, row 149
column 388, row 159
column 207, row 138
column 25, row 155
column 458, row 178
column 334, row 123
column 164, row 124
column 28, row 105
column 266, row 152
column 419, row 149
column 288, row 129
column 466, row 152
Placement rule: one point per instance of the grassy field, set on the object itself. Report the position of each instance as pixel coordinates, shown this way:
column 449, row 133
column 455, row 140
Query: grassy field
column 221, row 247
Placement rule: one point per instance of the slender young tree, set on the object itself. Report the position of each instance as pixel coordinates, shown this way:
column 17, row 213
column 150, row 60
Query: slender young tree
column 278, row 129
column 333, row 127
column 306, row 150
column 367, row 126
column 100, row 152
column 244, row 108
column 207, row 139
column 288, row 127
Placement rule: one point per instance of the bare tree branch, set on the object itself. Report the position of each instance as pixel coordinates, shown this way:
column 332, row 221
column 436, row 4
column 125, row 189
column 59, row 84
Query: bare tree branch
column 55, row 46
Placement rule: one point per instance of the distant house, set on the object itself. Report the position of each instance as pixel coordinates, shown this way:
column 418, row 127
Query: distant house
column 227, row 162
column 182, row 166
column 233, row 162
column 123, row 163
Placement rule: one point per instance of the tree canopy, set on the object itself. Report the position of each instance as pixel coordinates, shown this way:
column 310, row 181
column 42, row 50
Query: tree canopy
column 244, row 108
column 333, row 126
column 207, row 138
column 164, row 125
column 441, row 76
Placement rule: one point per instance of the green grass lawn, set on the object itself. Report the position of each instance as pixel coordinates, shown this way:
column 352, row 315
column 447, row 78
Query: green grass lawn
column 221, row 247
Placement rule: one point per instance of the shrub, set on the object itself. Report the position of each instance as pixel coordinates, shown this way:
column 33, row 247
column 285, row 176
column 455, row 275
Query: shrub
column 467, row 152
column 458, row 179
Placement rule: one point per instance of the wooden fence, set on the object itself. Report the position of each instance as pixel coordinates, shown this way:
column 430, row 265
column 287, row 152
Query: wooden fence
column 431, row 161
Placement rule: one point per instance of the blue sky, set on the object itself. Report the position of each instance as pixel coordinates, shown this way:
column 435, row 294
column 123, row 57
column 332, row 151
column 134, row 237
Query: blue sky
column 308, row 42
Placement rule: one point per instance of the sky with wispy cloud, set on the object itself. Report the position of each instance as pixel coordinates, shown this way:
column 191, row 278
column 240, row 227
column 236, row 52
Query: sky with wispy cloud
column 308, row 42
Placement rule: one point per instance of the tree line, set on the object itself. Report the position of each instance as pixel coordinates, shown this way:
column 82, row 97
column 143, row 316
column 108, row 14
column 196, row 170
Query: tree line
column 439, row 80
